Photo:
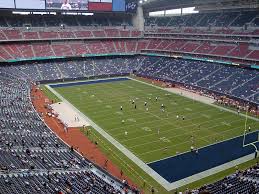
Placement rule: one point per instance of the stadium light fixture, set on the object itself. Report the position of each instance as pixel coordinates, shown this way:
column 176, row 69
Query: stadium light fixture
column 76, row 13
column 21, row 12
column 44, row 13
column 69, row 13
column 88, row 14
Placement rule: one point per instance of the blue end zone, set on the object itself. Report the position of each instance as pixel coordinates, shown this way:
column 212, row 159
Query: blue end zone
column 187, row 164
column 88, row 82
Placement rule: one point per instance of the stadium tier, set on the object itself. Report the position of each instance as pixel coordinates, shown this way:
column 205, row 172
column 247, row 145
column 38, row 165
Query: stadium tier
column 32, row 158
column 213, row 54
column 63, row 34
column 220, row 19
column 240, row 182
column 61, row 49
column 231, row 51
column 228, row 80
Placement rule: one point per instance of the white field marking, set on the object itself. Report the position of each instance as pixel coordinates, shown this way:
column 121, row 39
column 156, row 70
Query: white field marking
column 174, row 110
column 188, row 109
column 119, row 113
column 92, row 96
column 226, row 123
column 204, row 146
column 144, row 94
column 141, row 115
column 207, row 136
column 138, row 90
column 130, row 87
column 206, row 116
column 116, row 102
column 150, row 94
column 214, row 105
column 173, row 103
column 126, row 100
column 108, row 106
column 133, row 111
column 146, row 129
column 100, row 101
column 177, row 126
column 131, row 120
column 126, row 97
column 135, row 174
column 183, row 134
column 164, row 139
column 183, row 130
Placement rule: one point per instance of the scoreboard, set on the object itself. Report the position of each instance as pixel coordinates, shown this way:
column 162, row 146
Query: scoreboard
column 84, row 5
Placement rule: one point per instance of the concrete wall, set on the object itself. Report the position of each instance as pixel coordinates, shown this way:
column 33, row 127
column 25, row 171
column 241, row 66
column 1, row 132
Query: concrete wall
column 138, row 19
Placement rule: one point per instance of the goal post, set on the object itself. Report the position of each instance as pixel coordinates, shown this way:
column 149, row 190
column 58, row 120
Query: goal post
column 245, row 134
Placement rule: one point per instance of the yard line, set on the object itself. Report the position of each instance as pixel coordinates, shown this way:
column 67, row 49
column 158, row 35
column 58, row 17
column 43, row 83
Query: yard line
column 172, row 137
column 218, row 118
column 143, row 111
column 159, row 92
column 187, row 116
column 126, row 101
column 152, row 151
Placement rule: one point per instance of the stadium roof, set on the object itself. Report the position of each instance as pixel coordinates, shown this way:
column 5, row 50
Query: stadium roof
column 157, row 5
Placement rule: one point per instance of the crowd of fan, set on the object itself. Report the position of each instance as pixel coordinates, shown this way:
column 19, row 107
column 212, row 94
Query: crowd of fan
column 226, row 80
column 33, row 159
column 75, row 69
column 241, row 182
column 66, row 49
column 217, row 19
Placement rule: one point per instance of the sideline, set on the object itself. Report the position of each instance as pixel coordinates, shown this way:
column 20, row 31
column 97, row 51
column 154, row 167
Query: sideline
column 214, row 105
column 96, row 169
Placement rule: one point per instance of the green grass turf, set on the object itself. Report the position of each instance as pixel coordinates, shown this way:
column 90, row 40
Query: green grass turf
column 101, row 102
column 49, row 94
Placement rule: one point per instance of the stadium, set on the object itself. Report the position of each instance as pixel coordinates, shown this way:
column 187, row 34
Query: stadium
column 129, row 96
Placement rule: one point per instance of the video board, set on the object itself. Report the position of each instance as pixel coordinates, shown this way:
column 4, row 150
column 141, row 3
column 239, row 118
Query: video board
column 67, row 4
column 9, row 4
column 30, row 4
column 84, row 5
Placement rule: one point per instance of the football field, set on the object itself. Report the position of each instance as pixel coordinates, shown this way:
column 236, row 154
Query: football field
column 153, row 132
